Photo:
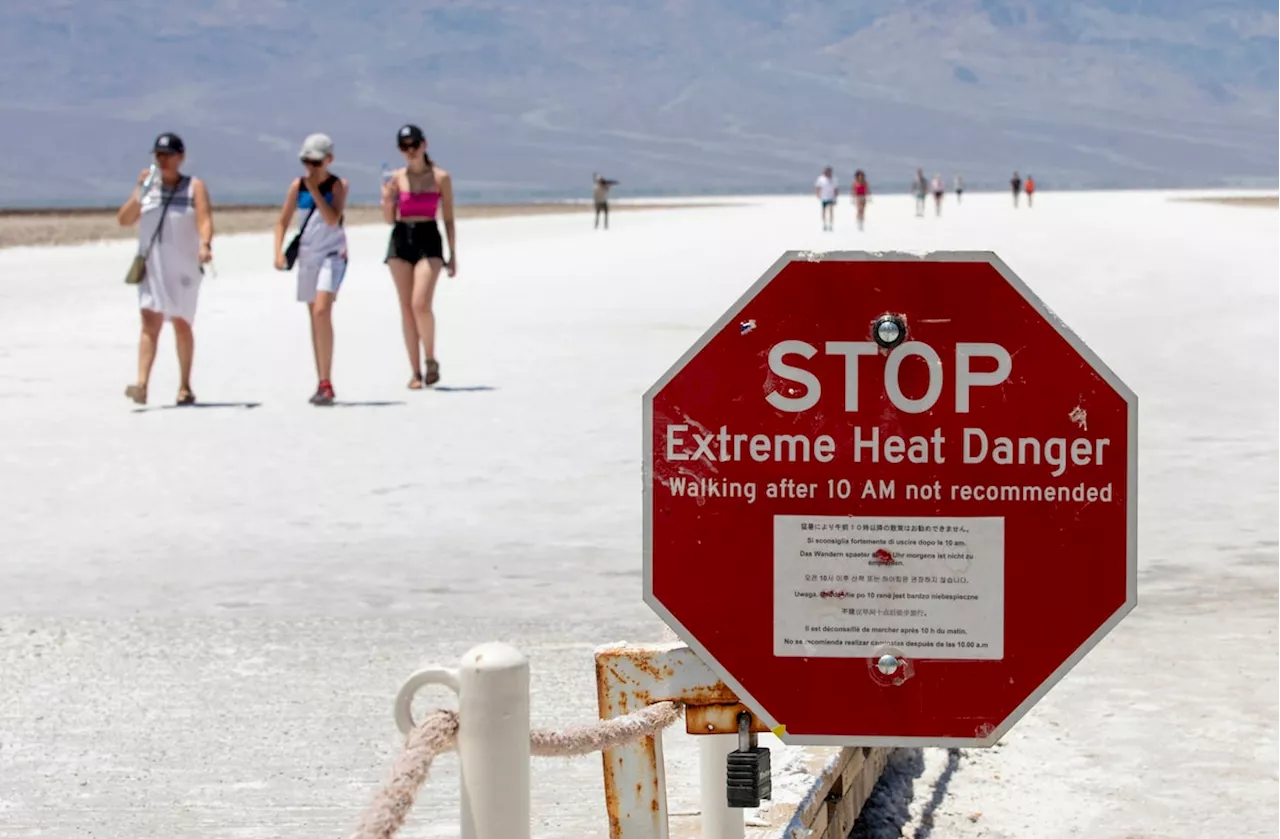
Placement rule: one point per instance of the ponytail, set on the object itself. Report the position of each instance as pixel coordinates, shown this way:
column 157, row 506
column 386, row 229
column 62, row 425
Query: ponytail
column 426, row 158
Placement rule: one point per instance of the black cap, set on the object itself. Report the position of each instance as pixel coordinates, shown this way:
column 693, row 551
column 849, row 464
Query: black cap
column 410, row 133
column 169, row 141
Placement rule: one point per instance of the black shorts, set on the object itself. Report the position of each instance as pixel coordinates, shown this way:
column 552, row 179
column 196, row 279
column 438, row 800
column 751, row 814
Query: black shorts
column 414, row 241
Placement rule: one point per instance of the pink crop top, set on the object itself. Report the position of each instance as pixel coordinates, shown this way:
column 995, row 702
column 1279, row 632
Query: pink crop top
column 418, row 204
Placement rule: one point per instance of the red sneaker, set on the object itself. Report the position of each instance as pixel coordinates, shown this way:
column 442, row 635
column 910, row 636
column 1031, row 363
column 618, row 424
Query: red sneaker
column 323, row 394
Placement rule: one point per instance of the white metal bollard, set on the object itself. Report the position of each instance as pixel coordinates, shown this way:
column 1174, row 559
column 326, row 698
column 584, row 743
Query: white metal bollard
column 719, row 820
column 492, row 684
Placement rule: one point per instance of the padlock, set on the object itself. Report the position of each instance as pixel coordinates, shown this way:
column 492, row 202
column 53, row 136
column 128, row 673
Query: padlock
column 748, row 768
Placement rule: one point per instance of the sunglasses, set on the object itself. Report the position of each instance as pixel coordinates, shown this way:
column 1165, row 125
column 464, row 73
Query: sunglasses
column 411, row 146
column 311, row 163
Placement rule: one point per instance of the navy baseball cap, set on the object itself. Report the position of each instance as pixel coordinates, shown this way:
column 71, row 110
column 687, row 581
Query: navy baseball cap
column 410, row 134
column 170, row 142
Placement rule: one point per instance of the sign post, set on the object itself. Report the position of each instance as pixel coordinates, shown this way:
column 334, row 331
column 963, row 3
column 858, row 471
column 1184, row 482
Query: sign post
column 900, row 478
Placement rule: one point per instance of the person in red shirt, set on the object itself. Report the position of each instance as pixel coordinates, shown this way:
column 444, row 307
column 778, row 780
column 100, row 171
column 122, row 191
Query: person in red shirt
column 1030, row 187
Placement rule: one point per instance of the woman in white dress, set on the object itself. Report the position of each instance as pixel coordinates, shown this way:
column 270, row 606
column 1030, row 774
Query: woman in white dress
column 176, row 236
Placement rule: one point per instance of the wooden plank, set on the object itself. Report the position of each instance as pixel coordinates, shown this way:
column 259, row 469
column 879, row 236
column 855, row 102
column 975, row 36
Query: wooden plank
column 843, row 809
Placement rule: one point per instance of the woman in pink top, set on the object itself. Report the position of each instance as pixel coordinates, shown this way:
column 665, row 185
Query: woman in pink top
column 860, row 192
column 411, row 200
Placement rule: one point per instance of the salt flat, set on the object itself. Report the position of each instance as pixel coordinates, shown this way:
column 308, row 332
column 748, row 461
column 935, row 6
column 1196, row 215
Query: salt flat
column 204, row 613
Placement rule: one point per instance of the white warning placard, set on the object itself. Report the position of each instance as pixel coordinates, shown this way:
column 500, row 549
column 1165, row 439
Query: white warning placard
column 851, row 586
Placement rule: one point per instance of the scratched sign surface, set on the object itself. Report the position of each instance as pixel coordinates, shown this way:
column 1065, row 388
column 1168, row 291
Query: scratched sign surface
column 890, row 543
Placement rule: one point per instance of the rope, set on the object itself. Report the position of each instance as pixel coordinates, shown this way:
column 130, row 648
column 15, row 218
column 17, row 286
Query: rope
column 605, row 734
column 438, row 733
column 435, row 735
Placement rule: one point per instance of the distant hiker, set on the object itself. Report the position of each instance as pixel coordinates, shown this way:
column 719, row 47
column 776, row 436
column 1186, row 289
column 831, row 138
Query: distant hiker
column 411, row 198
column 600, row 194
column 861, row 190
column 175, row 240
column 920, row 186
column 939, row 189
column 1031, row 189
column 1016, row 184
column 959, row 188
column 319, row 249
column 826, row 190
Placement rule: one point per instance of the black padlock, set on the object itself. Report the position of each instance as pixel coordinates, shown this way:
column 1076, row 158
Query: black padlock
column 748, row 769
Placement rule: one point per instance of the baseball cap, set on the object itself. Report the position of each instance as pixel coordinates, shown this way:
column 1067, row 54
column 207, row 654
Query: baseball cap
column 169, row 141
column 410, row 133
column 316, row 147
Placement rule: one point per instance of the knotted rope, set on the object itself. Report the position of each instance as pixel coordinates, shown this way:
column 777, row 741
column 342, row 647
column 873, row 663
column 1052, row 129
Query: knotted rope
column 438, row 733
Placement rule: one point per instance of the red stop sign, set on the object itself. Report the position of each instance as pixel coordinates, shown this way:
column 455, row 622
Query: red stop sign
column 890, row 499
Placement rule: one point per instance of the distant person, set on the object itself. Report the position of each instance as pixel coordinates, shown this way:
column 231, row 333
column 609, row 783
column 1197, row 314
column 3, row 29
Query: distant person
column 939, row 189
column 600, row 194
column 411, row 198
column 1031, row 189
column 861, row 191
column 959, row 188
column 1015, row 183
column 920, row 186
column 321, row 249
column 175, row 240
column 826, row 191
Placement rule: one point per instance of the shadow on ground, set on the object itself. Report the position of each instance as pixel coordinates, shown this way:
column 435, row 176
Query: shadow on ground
column 888, row 811
column 241, row 405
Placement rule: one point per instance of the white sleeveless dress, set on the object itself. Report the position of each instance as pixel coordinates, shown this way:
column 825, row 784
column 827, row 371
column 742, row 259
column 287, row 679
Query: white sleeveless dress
column 172, row 283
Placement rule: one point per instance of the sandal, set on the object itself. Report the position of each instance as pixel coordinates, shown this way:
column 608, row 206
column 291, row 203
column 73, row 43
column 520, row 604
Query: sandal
column 433, row 372
column 186, row 397
column 416, row 382
column 138, row 393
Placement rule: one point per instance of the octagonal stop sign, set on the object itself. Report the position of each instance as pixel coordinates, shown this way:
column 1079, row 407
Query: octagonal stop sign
column 890, row 499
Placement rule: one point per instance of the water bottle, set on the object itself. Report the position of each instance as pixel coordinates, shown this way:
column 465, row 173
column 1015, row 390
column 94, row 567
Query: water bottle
column 387, row 173
column 148, row 180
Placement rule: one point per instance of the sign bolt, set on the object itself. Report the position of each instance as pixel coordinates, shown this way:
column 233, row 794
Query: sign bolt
column 889, row 331
column 888, row 664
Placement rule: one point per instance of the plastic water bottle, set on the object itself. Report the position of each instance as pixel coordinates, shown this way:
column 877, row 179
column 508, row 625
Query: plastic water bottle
column 148, row 180
column 387, row 173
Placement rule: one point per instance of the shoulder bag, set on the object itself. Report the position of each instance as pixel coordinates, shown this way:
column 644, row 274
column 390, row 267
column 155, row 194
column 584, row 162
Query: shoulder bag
column 138, row 270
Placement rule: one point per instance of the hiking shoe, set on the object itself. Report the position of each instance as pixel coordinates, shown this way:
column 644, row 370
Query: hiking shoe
column 323, row 394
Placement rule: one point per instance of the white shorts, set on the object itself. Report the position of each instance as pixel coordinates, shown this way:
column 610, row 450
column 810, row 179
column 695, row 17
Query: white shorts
column 321, row 274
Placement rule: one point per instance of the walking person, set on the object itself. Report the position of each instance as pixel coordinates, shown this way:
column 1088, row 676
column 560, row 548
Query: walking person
column 175, row 241
column 861, row 190
column 600, row 195
column 959, row 188
column 1030, row 187
column 1015, row 183
column 411, row 199
column 921, row 188
column 939, row 189
column 319, row 249
column 826, row 191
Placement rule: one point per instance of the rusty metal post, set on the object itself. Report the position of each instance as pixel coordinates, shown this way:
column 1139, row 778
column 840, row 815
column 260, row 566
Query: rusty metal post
column 629, row 677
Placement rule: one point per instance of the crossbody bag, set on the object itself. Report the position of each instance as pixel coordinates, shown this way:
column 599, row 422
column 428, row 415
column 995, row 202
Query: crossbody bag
column 138, row 270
